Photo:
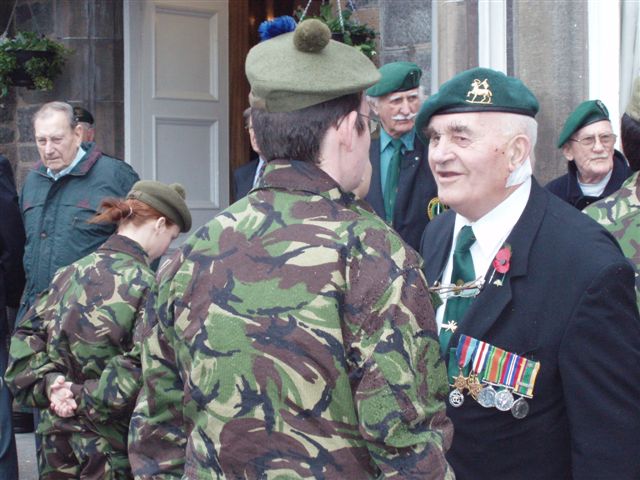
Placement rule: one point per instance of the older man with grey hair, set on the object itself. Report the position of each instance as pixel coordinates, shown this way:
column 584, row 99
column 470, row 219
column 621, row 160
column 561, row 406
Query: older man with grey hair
column 402, row 186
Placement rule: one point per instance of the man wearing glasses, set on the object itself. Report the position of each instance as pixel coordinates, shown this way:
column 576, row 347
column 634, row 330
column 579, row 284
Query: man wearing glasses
column 401, row 183
column 596, row 168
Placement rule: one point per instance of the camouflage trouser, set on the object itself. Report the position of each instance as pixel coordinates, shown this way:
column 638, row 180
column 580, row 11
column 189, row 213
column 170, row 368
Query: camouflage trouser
column 83, row 456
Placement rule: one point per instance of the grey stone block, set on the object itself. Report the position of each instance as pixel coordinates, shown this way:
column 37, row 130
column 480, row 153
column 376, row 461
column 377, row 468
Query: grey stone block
column 7, row 111
column 405, row 22
column 107, row 16
column 108, row 70
column 72, row 18
column 7, row 135
column 35, row 16
column 25, row 127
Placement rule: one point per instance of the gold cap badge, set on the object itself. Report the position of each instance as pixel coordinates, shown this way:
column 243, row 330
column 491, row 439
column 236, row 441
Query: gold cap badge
column 479, row 92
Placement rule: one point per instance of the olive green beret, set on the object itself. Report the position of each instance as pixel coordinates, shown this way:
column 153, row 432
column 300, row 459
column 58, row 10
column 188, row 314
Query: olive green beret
column 588, row 112
column 633, row 107
column 303, row 68
column 396, row 77
column 478, row 90
column 167, row 199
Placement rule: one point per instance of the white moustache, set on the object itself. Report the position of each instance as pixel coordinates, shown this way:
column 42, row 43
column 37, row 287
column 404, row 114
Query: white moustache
column 411, row 116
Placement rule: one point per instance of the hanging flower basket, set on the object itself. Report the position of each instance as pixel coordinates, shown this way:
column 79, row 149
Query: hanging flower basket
column 30, row 60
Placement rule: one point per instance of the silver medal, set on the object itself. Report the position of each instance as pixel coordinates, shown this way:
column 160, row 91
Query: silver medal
column 504, row 400
column 456, row 398
column 520, row 408
column 487, row 397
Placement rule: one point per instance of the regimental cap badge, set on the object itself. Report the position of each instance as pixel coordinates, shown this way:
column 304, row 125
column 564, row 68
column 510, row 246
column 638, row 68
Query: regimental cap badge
column 602, row 108
column 480, row 92
column 435, row 207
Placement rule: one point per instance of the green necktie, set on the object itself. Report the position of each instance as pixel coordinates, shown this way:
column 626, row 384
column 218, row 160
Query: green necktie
column 462, row 272
column 391, row 183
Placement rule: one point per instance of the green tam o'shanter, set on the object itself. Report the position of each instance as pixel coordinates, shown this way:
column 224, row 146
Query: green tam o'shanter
column 166, row 199
column 396, row 77
column 478, row 90
column 586, row 113
column 303, row 68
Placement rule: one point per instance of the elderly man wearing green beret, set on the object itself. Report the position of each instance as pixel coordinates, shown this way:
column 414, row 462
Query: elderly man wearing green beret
column 294, row 334
column 619, row 213
column 401, row 183
column 595, row 168
column 538, row 323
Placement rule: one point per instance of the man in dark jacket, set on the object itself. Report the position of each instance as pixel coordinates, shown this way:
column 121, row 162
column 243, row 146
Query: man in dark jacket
column 61, row 193
column 11, row 285
column 401, row 183
column 545, row 320
column 595, row 168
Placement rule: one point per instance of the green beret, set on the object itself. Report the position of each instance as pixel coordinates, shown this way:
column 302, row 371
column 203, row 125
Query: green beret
column 478, row 90
column 82, row 115
column 633, row 107
column 167, row 199
column 588, row 112
column 396, row 77
column 303, row 68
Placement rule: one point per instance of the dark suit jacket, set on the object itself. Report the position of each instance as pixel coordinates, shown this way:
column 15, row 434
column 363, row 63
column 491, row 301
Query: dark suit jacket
column 416, row 187
column 12, row 240
column 567, row 301
column 243, row 179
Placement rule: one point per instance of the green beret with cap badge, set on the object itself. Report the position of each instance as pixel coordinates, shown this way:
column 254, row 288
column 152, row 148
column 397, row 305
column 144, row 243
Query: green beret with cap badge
column 299, row 69
column 166, row 199
column 478, row 90
column 396, row 77
column 586, row 113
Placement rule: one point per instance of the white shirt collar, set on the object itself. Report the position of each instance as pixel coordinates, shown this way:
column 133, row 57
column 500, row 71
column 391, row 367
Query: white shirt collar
column 65, row 171
column 490, row 231
column 595, row 189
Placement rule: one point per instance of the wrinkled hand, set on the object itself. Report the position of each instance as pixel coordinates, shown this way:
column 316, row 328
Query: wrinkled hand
column 61, row 398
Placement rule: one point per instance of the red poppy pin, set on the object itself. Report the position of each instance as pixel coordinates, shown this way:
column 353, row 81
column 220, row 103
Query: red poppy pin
column 501, row 264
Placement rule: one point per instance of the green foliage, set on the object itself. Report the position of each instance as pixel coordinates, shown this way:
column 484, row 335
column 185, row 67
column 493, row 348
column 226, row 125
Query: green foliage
column 359, row 35
column 41, row 70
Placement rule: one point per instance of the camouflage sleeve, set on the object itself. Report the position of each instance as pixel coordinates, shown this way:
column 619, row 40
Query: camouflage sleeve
column 157, row 432
column 30, row 370
column 114, row 393
column 399, row 398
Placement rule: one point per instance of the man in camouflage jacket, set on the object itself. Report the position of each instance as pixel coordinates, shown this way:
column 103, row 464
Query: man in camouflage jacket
column 101, row 360
column 620, row 214
column 293, row 333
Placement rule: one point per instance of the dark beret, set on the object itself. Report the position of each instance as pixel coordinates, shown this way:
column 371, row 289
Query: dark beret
column 478, row 90
column 396, row 77
column 588, row 112
column 82, row 115
column 166, row 199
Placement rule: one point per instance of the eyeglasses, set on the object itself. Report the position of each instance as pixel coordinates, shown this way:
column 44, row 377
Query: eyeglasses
column 606, row 139
column 373, row 122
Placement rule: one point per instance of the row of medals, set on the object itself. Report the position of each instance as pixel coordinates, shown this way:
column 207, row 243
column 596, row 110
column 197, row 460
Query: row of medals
column 487, row 396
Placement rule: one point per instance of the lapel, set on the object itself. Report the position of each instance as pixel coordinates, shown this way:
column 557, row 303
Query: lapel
column 438, row 239
column 374, row 197
column 489, row 305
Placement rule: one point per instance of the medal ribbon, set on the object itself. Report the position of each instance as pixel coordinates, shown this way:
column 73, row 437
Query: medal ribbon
column 480, row 358
column 497, row 365
column 466, row 347
column 508, row 374
column 525, row 386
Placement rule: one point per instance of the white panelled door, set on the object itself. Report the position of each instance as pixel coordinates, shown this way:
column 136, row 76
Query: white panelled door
column 177, row 97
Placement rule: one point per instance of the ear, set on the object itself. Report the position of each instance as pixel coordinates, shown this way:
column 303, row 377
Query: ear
column 567, row 152
column 347, row 132
column 77, row 133
column 518, row 151
column 160, row 225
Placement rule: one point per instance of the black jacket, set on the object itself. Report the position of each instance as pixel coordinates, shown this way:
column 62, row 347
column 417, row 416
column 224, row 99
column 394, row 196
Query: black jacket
column 566, row 187
column 568, row 301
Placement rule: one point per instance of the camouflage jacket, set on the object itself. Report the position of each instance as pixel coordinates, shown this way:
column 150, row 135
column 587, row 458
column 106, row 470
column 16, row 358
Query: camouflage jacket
column 293, row 338
column 620, row 214
column 83, row 328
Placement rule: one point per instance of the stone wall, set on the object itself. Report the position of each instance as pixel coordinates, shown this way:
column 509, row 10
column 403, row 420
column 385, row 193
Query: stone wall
column 93, row 76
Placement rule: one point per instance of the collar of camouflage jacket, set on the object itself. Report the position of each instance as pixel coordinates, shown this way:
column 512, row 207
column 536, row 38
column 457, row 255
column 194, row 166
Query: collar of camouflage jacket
column 121, row 244
column 301, row 176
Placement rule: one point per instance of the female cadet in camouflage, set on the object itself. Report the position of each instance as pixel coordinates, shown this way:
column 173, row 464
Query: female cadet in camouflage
column 76, row 350
column 293, row 334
